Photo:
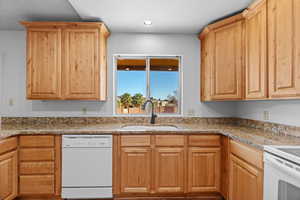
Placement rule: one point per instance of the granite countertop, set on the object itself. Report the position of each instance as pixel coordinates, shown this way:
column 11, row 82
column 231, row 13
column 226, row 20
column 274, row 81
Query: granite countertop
column 254, row 137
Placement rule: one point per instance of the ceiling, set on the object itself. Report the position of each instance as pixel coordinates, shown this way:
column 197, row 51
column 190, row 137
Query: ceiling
column 13, row 11
column 167, row 16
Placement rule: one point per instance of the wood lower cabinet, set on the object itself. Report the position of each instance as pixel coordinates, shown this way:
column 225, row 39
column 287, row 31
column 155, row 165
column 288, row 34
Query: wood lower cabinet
column 9, row 175
column 256, row 51
column 223, row 60
column 135, row 170
column 164, row 165
column 66, row 60
column 204, row 169
column 40, row 166
column 245, row 180
column 245, row 173
column 169, row 173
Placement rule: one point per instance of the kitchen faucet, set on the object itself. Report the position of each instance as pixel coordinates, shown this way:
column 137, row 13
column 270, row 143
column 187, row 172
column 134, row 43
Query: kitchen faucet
column 153, row 116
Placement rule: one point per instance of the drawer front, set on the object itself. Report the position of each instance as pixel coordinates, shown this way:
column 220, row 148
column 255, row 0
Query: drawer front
column 205, row 140
column 41, row 184
column 169, row 140
column 135, row 140
column 31, row 168
column 37, row 141
column 246, row 153
column 8, row 144
column 35, row 154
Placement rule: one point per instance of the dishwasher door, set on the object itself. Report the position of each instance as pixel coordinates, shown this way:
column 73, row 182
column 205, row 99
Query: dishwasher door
column 87, row 167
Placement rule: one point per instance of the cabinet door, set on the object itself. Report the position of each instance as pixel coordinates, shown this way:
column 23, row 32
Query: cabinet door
column 43, row 63
column 169, row 170
column 284, row 48
column 256, row 52
column 135, row 170
column 227, row 70
column 204, row 169
column 245, row 181
column 81, row 64
column 9, row 176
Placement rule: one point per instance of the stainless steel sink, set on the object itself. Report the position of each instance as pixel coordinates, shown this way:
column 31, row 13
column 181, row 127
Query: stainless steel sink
column 149, row 128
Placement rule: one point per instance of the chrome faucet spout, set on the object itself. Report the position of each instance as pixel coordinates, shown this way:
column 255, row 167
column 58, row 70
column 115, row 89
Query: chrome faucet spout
column 153, row 115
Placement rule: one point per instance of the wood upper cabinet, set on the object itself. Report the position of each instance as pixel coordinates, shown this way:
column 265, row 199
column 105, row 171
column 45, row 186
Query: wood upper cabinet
column 81, row 64
column 9, row 175
column 135, row 170
column 284, row 48
column 223, row 60
column 43, row 63
column 169, row 172
column 245, row 172
column 256, row 51
column 204, row 169
column 66, row 60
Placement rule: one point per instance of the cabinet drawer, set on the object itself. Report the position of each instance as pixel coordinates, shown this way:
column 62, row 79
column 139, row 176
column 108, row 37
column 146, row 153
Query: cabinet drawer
column 8, row 144
column 205, row 140
column 35, row 154
column 41, row 184
column 135, row 140
column 37, row 141
column 246, row 153
column 169, row 140
column 31, row 168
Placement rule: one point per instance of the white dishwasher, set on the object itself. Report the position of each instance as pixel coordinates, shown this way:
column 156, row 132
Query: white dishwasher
column 86, row 166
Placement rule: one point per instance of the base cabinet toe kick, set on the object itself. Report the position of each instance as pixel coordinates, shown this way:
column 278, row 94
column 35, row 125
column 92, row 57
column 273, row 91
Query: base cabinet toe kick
column 209, row 166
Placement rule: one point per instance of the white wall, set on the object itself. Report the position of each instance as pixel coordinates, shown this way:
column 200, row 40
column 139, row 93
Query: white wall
column 12, row 51
column 284, row 111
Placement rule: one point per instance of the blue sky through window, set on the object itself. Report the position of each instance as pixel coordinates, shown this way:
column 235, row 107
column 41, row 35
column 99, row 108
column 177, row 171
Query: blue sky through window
column 162, row 83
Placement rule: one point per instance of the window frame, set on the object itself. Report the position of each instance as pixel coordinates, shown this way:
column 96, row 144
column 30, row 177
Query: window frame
column 147, row 57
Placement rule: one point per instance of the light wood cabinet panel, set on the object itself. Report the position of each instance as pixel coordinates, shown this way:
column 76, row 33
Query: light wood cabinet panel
column 8, row 144
column 227, row 71
column 37, row 184
column 169, row 170
column 135, row 170
column 222, row 68
column 284, row 48
column 37, row 154
column 169, row 140
column 40, row 166
column 81, row 64
column 9, row 175
column 66, row 60
column 204, row 140
column 204, row 169
column 44, row 63
column 246, row 181
column 256, row 51
column 37, row 141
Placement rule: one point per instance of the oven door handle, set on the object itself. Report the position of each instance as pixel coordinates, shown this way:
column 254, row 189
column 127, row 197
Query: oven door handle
column 285, row 167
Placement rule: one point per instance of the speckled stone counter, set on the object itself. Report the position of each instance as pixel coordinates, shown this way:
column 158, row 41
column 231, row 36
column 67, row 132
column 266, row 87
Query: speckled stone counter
column 256, row 137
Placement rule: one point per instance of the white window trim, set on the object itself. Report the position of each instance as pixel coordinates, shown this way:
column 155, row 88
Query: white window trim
column 180, row 69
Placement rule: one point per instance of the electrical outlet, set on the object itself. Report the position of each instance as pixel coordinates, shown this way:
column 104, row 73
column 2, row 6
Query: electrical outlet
column 11, row 102
column 266, row 115
column 84, row 110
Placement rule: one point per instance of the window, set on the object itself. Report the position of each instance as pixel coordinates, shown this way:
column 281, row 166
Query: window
column 142, row 78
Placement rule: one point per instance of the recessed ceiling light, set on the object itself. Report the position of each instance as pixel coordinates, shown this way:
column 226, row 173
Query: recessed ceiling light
column 147, row 22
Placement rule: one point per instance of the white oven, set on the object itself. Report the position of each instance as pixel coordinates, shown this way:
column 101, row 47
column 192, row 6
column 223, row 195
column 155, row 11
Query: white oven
column 281, row 174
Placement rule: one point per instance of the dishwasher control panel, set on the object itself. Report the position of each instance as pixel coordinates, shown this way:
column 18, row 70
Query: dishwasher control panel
column 87, row 141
